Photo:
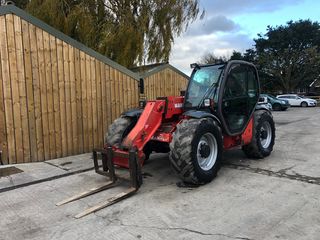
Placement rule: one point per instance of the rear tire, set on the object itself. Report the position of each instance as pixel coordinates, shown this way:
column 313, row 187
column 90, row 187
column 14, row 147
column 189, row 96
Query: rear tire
column 196, row 150
column 276, row 107
column 304, row 104
column 263, row 136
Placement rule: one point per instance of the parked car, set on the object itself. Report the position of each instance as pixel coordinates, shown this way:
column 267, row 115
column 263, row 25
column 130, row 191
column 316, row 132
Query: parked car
column 296, row 100
column 264, row 101
column 277, row 104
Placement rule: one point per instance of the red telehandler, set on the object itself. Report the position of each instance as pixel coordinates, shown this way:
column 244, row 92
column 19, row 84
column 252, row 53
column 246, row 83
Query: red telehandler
column 217, row 112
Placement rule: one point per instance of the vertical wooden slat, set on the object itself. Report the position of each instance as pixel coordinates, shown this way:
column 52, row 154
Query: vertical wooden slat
column 36, row 92
column 113, row 94
column 29, row 91
column 84, row 98
column 116, row 105
column 167, row 76
column 62, row 98
column 136, row 89
column 160, row 80
column 99, row 105
column 132, row 92
column 155, row 90
column 67, row 89
column 127, row 91
column 181, row 82
column 22, row 89
column 43, row 94
column 164, row 80
column 15, row 88
column 124, row 92
column 73, row 101
column 94, row 102
column 78, row 100
column 7, row 95
column 104, row 108
column 150, row 80
column 175, row 82
column 89, row 103
column 49, row 93
column 3, row 132
column 150, row 87
column 108, row 96
column 121, row 93
column 56, row 97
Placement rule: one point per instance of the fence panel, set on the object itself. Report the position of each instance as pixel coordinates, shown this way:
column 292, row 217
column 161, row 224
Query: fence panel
column 55, row 99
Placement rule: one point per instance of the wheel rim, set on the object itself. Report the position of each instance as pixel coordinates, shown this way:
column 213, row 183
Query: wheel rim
column 209, row 141
column 265, row 134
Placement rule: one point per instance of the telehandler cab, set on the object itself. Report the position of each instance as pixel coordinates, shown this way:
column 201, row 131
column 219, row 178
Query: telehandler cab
column 218, row 111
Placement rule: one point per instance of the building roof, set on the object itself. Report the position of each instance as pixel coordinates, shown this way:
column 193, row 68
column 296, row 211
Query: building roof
column 11, row 9
column 148, row 70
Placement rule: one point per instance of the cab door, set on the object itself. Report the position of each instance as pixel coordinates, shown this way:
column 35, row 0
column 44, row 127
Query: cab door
column 239, row 95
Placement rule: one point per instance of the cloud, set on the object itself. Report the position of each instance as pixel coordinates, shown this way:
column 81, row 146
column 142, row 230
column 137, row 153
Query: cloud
column 213, row 24
column 218, row 32
column 232, row 7
column 190, row 49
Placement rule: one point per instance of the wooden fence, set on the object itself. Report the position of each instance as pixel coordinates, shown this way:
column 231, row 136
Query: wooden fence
column 57, row 96
column 165, row 81
column 55, row 99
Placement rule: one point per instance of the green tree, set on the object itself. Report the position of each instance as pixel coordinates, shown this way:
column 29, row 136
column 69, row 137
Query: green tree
column 127, row 31
column 236, row 55
column 289, row 54
column 211, row 58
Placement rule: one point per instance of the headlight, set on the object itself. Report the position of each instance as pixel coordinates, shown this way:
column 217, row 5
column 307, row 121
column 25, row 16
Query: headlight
column 283, row 102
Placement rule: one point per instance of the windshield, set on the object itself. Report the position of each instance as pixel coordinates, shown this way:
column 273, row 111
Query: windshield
column 202, row 85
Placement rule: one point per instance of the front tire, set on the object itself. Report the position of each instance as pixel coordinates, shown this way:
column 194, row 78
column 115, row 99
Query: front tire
column 196, row 150
column 263, row 136
column 118, row 130
column 304, row 104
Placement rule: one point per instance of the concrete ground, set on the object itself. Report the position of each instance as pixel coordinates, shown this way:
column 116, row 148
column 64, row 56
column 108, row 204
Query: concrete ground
column 274, row 198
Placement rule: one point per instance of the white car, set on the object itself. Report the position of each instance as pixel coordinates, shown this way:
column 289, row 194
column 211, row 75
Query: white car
column 295, row 100
column 264, row 101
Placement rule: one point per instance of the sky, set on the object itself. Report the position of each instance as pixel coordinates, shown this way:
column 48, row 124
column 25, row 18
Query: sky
column 233, row 24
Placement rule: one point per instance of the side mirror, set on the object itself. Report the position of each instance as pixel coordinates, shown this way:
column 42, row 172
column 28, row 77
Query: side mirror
column 263, row 100
column 141, row 86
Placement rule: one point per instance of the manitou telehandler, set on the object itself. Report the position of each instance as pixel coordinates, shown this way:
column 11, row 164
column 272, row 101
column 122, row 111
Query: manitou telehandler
column 217, row 112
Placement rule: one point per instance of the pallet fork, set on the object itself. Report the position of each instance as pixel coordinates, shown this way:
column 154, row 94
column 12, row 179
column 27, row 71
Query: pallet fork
column 107, row 169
